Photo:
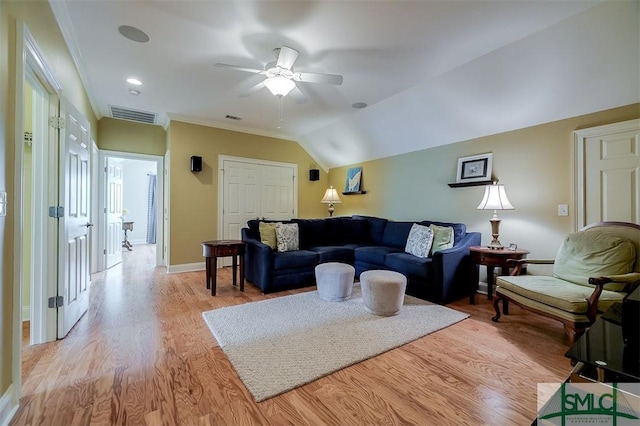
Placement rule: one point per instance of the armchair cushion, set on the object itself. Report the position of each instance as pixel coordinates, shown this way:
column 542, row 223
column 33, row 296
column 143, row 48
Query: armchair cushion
column 594, row 254
column 557, row 293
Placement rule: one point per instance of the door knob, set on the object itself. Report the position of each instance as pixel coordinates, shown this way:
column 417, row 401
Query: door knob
column 88, row 225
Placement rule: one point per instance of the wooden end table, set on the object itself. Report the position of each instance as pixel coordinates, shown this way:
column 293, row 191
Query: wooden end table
column 214, row 249
column 491, row 258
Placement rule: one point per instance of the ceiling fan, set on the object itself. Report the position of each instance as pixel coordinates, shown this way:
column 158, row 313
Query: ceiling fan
column 281, row 78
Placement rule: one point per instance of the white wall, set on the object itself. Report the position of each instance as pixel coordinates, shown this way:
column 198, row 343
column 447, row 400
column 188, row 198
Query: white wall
column 136, row 183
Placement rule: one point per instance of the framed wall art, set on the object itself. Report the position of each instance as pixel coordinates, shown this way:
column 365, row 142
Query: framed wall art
column 476, row 168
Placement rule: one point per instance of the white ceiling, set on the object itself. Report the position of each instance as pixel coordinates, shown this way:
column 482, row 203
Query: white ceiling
column 432, row 72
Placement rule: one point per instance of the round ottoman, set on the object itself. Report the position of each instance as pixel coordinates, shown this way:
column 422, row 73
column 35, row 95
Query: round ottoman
column 383, row 292
column 335, row 281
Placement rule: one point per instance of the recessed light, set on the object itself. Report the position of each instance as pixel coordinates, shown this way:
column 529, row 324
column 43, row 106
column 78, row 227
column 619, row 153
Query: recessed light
column 134, row 92
column 133, row 33
column 359, row 105
column 134, row 81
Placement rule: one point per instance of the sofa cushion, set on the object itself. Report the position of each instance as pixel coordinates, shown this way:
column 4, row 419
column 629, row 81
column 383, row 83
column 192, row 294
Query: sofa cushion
column 442, row 238
column 354, row 231
column 312, row 232
column 287, row 236
column 334, row 254
column 294, row 259
column 396, row 233
column 419, row 241
column 374, row 254
column 594, row 254
column 408, row 264
column 376, row 227
column 459, row 229
column 268, row 234
column 556, row 292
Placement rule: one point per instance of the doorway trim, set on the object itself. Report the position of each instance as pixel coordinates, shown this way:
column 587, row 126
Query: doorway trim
column 579, row 147
column 29, row 59
column 102, row 223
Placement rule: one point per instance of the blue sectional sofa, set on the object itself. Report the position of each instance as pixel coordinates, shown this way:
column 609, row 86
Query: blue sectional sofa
column 366, row 243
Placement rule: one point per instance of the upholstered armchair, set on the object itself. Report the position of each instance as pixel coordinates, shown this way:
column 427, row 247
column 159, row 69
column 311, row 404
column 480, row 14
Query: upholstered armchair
column 593, row 269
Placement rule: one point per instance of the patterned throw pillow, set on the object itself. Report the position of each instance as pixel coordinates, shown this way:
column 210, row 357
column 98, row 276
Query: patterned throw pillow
column 442, row 238
column 287, row 236
column 419, row 240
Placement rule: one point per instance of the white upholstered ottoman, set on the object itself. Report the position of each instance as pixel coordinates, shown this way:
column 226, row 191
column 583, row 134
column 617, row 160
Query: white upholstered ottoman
column 335, row 281
column 383, row 292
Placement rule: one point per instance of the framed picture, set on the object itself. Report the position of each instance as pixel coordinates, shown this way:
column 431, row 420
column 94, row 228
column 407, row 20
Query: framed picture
column 354, row 176
column 475, row 168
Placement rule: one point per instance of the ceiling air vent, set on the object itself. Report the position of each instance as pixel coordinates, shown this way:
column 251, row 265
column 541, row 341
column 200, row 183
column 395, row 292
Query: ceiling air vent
column 133, row 115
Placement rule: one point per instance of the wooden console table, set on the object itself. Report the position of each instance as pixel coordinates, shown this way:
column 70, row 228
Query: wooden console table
column 491, row 258
column 214, row 249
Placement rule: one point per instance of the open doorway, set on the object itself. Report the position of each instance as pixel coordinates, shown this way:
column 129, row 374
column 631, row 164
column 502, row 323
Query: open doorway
column 133, row 215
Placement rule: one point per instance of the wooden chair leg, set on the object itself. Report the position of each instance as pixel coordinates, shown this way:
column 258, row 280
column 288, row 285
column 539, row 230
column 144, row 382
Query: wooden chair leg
column 573, row 332
column 496, row 302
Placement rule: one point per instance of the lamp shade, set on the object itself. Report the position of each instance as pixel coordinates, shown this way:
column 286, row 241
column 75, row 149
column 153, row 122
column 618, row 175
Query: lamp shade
column 495, row 198
column 279, row 85
column 331, row 196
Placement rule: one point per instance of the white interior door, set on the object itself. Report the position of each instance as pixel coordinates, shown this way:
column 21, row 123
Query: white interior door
column 73, row 267
column 608, row 160
column 241, row 197
column 113, row 210
column 277, row 189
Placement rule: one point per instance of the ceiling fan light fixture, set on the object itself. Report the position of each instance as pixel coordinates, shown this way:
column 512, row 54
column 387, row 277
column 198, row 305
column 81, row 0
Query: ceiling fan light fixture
column 279, row 85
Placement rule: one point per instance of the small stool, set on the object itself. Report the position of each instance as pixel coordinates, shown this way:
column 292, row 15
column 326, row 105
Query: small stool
column 335, row 281
column 383, row 292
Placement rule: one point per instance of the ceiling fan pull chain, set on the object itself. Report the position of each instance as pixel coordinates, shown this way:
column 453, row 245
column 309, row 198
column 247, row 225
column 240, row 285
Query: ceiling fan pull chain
column 280, row 111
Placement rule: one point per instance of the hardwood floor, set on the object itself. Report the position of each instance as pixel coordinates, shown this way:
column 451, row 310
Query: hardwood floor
column 142, row 354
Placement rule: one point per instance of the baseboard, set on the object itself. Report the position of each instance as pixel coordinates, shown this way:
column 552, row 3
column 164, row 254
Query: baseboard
column 8, row 406
column 185, row 267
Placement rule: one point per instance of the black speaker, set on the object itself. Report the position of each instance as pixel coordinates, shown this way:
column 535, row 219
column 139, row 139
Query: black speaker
column 314, row 174
column 196, row 164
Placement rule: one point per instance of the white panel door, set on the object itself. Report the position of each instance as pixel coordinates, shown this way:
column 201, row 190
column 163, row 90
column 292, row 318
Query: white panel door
column 241, row 197
column 73, row 267
column 113, row 240
column 277, row 190
column 607, row 173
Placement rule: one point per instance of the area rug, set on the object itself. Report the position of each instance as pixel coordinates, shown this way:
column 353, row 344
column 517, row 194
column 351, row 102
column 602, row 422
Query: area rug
column 276, row 345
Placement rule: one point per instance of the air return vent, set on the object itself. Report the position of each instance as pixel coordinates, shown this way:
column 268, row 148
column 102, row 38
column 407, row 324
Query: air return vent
column 133, row 115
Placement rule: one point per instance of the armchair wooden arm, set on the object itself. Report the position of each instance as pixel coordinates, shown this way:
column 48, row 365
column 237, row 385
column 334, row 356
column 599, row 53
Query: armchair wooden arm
column 518, row 264
column 632, row 278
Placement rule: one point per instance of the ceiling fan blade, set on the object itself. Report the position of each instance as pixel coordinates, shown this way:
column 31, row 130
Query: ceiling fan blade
column 297, row 95
column 235, row 67
column 287, row 57
column 310, row 77
column 253, row 89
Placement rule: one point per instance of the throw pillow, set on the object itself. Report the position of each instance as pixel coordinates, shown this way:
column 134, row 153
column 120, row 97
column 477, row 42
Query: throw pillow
column 268, row 233
column 287, row 236
column 442, row 238
column 419, row 240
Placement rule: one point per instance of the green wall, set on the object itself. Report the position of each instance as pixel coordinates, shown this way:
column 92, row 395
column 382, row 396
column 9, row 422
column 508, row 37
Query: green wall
column 535, row 164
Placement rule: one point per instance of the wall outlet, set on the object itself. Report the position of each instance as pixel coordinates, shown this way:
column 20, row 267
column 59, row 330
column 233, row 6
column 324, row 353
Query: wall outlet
column 563, row 210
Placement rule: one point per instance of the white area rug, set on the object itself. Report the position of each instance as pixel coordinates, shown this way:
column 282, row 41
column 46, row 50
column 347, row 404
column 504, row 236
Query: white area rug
column 279, row 344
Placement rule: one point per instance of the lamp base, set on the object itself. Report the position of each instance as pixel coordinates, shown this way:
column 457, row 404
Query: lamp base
column 495, row 233
column 331, row 210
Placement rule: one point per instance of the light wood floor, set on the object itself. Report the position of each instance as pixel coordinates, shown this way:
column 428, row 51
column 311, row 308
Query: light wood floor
column 142, row 354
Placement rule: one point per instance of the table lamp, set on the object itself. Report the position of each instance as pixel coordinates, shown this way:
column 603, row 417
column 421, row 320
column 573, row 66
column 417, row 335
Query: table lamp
column 331, row 198
column 495, row 198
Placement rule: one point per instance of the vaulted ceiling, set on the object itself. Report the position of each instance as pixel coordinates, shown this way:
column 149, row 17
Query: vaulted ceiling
column 430, row 72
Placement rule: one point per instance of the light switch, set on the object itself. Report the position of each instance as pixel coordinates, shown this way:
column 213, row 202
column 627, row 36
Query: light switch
column 563, row 210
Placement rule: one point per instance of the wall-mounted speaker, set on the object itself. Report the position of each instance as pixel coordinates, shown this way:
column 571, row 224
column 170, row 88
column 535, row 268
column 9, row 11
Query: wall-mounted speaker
column 314, row 174
column 196, row 164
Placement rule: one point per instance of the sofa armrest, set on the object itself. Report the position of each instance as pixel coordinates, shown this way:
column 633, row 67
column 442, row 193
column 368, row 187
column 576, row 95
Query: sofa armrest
column 452, row 269
column 258, row 260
